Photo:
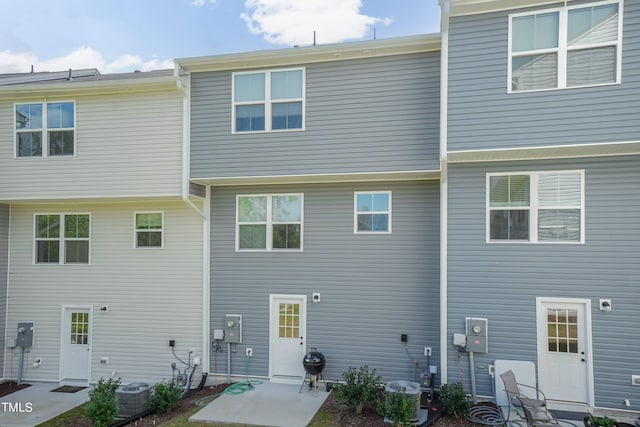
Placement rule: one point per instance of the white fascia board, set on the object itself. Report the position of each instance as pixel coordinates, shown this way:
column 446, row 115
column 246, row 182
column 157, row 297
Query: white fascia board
column 98, row 87
column 546, row 153
column 319, row 178
column 312, row 54
column 472, row 7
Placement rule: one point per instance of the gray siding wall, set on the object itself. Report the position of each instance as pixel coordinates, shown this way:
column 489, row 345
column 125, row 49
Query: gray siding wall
column 4, row 266
column 373, row 287
column 501, row 281
column 369, row 115
column 482, row 115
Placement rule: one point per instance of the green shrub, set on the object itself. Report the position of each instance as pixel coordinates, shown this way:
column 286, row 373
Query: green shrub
column 166, row 396
column 102, row 406
column 399, row 408
column 361, row 387
column 595, row 421
column 455, row 400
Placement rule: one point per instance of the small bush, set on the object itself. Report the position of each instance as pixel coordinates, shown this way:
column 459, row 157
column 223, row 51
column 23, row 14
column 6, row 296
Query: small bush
column 166, row 397
column 102, row 406
column 399, row 408
column 455, row 400
column 361, row 387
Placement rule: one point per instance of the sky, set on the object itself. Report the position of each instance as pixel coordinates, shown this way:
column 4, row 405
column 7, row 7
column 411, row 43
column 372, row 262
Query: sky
column 126, row 35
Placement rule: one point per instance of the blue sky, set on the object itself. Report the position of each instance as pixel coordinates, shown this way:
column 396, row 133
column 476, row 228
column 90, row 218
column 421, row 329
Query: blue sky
column 124, row 35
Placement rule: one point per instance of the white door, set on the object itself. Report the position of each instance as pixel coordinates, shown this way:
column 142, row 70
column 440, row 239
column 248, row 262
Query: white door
column 287, row 343
column 75, row 349
column 564, row 349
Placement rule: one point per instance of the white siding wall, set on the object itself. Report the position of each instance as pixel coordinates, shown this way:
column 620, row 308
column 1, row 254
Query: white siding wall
column 153, row 295
column 126, row 145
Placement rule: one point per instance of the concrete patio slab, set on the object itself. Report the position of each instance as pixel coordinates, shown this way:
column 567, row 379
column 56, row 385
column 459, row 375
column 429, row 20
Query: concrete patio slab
column 37, row 404
column 268, row 404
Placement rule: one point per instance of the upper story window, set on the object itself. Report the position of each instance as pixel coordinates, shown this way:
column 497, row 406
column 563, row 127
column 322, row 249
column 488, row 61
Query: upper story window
column 268, row 100
column 62, row 239
column 372, row 212
column 566, row 47
column 149, row 229
column 45, row 129
column 537, row 207
column 269, row 222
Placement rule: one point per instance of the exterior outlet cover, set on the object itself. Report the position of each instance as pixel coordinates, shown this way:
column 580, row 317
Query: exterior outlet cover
column 635, row 379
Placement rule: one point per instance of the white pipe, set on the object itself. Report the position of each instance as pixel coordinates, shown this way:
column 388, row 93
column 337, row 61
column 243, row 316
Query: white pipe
column 444, row 188
column 472, row 375
column 184, row 85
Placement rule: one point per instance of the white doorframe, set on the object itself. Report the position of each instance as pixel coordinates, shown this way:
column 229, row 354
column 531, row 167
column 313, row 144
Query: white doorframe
column 272, row 332
column 542, row 338
column 63, row 335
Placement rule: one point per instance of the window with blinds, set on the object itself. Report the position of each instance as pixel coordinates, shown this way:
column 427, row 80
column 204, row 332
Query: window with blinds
column 538, row 207
column 566, row 47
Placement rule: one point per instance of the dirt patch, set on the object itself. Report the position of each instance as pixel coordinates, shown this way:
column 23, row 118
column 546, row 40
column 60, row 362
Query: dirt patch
column 9, row 387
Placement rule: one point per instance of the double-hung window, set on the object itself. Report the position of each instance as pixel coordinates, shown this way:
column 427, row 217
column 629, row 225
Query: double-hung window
column 62, row 238
column 269, row 222
column 372, row 212
column 268, row 100
column 149, row 229
column 566, row 47
column 45, row 129
column 537, row 207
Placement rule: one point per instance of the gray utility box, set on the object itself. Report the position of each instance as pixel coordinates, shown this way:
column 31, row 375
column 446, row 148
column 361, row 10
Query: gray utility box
column 25, row 334
column 477, row 335
column 133, row 399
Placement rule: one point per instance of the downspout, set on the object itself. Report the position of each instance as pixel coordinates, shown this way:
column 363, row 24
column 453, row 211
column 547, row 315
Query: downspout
column 183, row 84
column 444, row 188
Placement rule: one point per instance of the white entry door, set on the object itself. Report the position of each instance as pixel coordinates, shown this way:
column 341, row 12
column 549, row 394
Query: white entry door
column 564, row 349
column 75, row 349
column 287, row 346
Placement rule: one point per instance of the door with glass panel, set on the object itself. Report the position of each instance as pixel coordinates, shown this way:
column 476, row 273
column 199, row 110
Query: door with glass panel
column 287, row 341
column 564, row 344
column 75, row 350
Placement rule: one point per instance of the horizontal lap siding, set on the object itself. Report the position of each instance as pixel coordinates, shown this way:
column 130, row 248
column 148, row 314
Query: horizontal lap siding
column 482, row 115
column 501, row 281
column 126, row 145
column 153, row 295
column 369, row 115
column 373, row 288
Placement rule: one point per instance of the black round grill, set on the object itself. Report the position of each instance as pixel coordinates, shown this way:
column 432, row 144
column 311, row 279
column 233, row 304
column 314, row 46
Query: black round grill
column 313, row 362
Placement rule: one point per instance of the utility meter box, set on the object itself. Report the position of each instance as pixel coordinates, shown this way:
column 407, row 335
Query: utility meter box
column 477, row 335
column 25, row 334
column 233, row 329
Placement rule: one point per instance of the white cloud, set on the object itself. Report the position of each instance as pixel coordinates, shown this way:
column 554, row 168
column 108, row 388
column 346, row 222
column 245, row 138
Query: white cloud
column 293, row 22
column 82, row 57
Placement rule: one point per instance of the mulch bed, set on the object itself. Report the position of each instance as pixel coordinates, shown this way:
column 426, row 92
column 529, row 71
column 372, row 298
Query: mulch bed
column 185, row 406
column 9, row 387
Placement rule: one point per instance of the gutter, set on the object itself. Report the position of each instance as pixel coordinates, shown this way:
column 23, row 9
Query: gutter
column 444, row 189
column 183, row 83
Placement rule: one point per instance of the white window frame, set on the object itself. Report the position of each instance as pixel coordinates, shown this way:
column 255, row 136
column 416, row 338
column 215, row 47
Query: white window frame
column 355, row 212
column 61, row 239
column 45, row 130
column 136, row 231
column 533, row 207
column 269, row 223
column 562, row 49
column 267, row 101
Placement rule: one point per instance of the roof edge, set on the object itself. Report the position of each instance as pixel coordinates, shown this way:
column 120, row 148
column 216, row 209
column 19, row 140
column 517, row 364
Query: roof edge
column 313, row 54
column 473, row 7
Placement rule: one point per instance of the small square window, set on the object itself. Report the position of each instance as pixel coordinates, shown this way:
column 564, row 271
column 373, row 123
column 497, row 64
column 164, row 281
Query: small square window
column 372, row 212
